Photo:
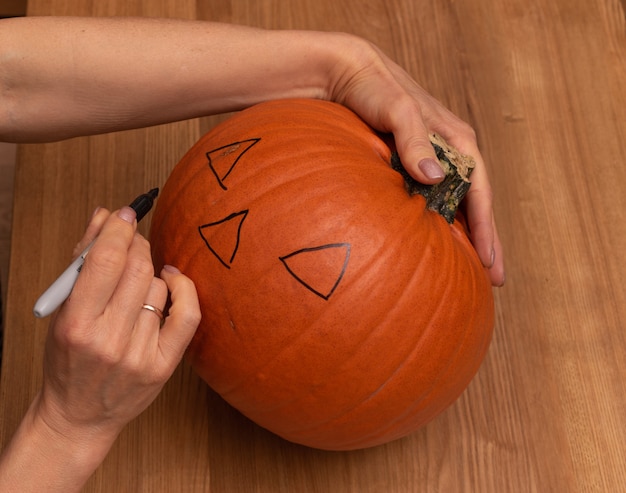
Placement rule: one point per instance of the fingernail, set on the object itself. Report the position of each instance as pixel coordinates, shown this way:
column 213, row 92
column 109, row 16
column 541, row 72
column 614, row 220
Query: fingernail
column 127, row 214
column 492, row 258
column 95, row 212
column 171, row 269
column 431, row 169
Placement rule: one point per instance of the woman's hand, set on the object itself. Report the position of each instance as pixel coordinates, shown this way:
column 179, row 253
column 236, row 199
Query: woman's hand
column 106, row 358
column 387, row 98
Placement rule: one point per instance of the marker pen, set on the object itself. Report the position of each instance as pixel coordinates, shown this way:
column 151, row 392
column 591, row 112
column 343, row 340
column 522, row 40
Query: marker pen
column 60, row 289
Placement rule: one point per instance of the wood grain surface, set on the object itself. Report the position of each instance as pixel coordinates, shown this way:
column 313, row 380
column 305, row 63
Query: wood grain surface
column 544, row 85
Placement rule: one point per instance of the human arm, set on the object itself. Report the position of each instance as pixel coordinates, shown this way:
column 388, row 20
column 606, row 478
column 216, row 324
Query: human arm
column 65, row 77
column 106, row 359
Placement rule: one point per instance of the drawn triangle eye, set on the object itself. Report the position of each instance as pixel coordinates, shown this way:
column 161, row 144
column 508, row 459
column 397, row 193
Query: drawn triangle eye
column 223, row 160
column 319, row 269
column 222, row 237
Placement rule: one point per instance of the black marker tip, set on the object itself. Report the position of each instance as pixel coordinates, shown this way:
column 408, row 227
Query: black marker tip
column 142, row 204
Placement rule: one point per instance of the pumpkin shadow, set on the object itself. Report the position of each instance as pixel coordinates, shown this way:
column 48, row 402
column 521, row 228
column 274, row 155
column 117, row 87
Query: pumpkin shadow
column 272, row 460
column 213, row 446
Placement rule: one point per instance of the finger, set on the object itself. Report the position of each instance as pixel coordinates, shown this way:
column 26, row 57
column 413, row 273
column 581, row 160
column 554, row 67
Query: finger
column 156, row 297
column 150, row 317
column 497, row 272
column 479, row 199
column 413, row 143
column 99, row 217
column 481, row 222
column 183, row 317
column 484, row 236
column 134, row 284
column 103, row 266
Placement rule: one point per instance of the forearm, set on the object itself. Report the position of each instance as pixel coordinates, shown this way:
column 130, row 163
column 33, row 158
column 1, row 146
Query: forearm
column 62, row 77
column 66, row 77
column 39, row 459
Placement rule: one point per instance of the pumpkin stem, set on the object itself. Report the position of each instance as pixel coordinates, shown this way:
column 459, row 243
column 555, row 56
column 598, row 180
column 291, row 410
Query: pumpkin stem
column 443, row 197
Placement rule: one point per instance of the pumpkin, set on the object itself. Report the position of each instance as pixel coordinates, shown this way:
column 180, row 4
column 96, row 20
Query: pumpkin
column 338, row 311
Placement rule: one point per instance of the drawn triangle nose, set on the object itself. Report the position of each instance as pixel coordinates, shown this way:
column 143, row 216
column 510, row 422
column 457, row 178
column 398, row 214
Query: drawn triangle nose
column 319, row 269
column 222, row 237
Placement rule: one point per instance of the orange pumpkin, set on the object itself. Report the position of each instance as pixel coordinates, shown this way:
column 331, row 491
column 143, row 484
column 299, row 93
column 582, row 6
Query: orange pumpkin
column 337, row 311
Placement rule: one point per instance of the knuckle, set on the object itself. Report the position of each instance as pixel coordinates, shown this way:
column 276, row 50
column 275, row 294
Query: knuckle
column 192, row 318
column 75, row 339
column 133, row 364
column 467, row 131
column 69, row 334
column 186, row 284
column 404, row 109
column 482, row 193
column 142, row 368
column 140, row 267
column 464, row 132
column 187, row 318
column 109, row 355
column 106, row 259
column 160, row 375
column 421, row 143
column 143, row 242
column 159, row 284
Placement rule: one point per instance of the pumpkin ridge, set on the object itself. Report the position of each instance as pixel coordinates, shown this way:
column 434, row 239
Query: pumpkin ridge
column 375, row 328
column 409, row 356
column 442, row 374
column 343, row 416
column 397, row 422
column 289, row 346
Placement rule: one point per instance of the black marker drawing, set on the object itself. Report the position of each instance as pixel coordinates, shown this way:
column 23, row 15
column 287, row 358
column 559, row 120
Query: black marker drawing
column 302, row 265
column 223, row 159
column 225, row 235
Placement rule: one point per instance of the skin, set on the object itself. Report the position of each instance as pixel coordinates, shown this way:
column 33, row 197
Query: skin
column 84, row 76
column 106, row 359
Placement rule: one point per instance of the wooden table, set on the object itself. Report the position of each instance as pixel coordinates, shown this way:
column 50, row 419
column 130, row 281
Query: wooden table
column 544, row 85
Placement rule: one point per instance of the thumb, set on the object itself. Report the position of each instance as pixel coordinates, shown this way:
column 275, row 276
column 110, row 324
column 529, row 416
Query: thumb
column 417, row 153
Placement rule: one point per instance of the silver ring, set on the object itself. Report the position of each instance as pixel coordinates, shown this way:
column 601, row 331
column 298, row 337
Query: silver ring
column 154, row 310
